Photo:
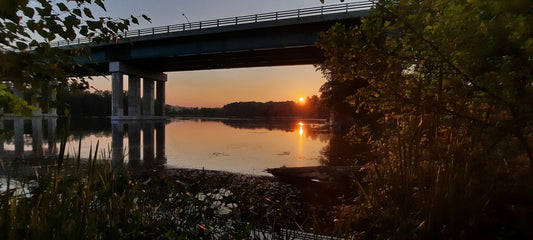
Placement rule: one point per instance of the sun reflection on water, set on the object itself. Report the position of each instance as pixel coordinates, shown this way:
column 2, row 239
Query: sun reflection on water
column 301, row 140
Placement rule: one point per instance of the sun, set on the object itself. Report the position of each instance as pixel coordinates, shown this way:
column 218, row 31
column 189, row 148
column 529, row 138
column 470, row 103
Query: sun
column 302, row 99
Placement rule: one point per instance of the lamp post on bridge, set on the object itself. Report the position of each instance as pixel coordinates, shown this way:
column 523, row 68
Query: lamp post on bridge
column 186, row 18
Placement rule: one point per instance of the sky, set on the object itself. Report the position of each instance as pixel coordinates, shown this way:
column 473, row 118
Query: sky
column 215, row 88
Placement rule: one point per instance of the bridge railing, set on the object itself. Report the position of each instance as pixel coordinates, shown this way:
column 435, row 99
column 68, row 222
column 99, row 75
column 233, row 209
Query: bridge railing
column 222, row 22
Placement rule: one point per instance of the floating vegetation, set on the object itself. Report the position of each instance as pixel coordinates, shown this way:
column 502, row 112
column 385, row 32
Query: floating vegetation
column 219, row 154
column 284, row 154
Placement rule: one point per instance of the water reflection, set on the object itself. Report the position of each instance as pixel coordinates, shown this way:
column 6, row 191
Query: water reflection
column 27, row 132
column 153, row 150
column 236, row 145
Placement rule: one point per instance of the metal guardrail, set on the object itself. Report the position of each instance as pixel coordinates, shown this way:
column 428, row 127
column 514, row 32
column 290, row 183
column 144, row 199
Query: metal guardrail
column 222, row 22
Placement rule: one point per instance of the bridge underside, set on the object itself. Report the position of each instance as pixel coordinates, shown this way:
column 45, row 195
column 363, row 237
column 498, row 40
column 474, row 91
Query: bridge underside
column 240, row 59
column 304, row 55
column 275, row 43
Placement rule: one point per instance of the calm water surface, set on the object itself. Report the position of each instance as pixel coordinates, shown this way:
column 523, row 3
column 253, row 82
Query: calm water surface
column 243, row 146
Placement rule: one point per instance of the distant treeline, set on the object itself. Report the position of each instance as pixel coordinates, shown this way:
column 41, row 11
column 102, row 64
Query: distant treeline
column 99, row 104
column 312, row 108
column 85, row 103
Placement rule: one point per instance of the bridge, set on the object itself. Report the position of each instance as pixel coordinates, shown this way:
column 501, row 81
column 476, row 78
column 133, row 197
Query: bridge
column 268, row 39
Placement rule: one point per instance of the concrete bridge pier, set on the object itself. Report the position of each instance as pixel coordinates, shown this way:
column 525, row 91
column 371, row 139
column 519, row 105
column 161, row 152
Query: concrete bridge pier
column 148, row 97
column 42, row 108
column 134, row 96
column 52, row 135
column 37, row 136
column 18, row 130
column 148, row 107
column 160, row 98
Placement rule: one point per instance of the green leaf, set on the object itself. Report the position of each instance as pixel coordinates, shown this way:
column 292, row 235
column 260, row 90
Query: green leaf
column 34, row 43
column 147, row 18
column 77, row 11
column 12, row 27
column 134, row 20
column 93, row 25
column 111, row 25
column 51, row 37
column 31, row 25
column 88, row 12
column 71, row 34
column 100, row 4
column 28, row 12
column 84, row 31
column 22, row 46
column 70, row 21
column 62, row 7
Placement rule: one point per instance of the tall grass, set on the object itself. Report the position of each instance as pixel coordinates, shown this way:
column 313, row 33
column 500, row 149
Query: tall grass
column 90, row 199
column 448, row 181
column 72, row 203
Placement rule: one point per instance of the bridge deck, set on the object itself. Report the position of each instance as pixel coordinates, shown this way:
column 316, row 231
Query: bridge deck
column 233, row 21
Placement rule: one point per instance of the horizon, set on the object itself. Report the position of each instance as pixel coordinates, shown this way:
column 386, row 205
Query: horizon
column 215, row 88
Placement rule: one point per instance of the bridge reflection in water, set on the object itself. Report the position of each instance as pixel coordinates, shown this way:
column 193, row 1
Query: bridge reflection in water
column 42, row 129
column 152, row 154
column 236, row 145
column 140, row 143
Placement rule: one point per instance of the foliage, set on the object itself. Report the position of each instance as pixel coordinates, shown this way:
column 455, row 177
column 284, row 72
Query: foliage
column 451, row 83
column 29, row 64
column 97, row 201
column 311, row 108
column 86, row 103
column 193, row 112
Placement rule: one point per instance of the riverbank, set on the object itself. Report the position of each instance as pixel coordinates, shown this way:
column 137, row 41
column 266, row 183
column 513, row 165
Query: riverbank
column 311, row 205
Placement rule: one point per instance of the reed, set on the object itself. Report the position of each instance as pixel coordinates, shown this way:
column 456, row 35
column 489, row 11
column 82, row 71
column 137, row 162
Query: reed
column 90, row 199
column 440, row 181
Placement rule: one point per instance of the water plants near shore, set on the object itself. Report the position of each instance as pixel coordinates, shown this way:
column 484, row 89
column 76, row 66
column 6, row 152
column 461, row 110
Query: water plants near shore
column 99, row 202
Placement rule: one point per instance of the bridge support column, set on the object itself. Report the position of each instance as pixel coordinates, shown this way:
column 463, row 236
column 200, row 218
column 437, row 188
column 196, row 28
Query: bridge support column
column 48, row 101
column 134, row 96
column 37, row 136
column 52, row 134
column 117, row 87
column 118, row 69
column 160, row 98
column 18, row 129
column 148, row 97
column 52, row 109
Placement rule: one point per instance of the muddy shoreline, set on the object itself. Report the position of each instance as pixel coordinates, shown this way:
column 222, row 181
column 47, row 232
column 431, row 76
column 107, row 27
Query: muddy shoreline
column 310, row 199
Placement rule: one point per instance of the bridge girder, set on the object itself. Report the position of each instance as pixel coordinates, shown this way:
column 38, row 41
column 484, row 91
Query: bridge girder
column 284, row 42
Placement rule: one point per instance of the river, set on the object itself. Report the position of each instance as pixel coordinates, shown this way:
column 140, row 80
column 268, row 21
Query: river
column 246, row 146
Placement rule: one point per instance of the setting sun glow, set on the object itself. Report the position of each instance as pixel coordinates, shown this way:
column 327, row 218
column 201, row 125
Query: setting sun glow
column 302, row 99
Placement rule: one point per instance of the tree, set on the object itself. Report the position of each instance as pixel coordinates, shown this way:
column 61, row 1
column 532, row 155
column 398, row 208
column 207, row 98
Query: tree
column 29, row 63
column 452, row 84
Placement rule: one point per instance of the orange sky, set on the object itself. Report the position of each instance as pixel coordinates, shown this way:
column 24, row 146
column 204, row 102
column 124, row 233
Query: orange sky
column 215, row 88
